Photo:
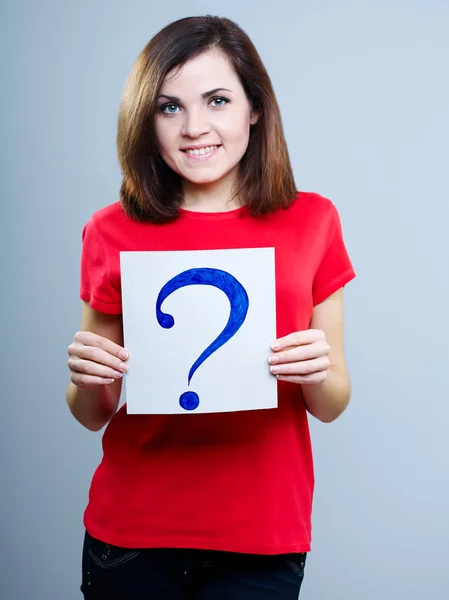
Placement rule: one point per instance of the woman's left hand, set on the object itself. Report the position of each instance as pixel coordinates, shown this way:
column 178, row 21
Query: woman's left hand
column 301, row 357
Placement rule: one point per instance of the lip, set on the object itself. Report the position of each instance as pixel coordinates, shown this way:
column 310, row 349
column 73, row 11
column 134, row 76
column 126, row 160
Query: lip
column 198, row 146
column 202, row 156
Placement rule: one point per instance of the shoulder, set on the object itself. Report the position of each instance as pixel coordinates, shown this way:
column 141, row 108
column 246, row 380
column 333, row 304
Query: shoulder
column 312, row 202
column 110, row 224
column 111, row 213
column 312, row 210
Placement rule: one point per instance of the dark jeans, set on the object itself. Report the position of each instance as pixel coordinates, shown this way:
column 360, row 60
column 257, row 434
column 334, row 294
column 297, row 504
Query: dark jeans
column 113, row 573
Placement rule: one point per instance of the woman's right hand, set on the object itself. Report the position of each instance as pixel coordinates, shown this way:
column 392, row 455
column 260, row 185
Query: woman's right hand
column 95, row 360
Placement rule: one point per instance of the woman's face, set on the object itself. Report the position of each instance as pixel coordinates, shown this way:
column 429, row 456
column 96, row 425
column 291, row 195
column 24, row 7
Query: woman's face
column 203, row 120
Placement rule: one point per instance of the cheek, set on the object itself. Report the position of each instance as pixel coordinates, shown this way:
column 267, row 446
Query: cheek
column 237, row 131
column 164, row 135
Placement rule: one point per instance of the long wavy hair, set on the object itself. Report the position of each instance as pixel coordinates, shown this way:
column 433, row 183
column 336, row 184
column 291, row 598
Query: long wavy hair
column 150, row 189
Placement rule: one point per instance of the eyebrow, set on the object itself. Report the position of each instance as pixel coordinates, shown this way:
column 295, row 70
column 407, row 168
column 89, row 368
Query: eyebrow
column 205, row 95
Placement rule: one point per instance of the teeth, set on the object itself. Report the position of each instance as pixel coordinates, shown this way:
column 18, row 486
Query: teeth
column 201, row 151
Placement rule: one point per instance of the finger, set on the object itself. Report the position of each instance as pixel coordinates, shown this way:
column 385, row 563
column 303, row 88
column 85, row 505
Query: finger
column 88, row 338
column 298, row 338
column 88, row 381
column 298, row 353
column 312, row 379
column 304, row 367
column 100, row 356
column 86, row 367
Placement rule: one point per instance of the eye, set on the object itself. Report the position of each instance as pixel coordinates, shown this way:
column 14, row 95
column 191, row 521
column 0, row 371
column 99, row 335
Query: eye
column 169, row 105
column 223, row 101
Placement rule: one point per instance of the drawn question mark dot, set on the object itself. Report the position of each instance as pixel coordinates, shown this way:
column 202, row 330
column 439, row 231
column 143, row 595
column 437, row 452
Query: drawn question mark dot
column 189, row 400
column 239, row 302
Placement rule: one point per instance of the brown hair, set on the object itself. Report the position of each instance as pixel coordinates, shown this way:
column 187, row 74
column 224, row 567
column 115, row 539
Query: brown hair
column 150, row 190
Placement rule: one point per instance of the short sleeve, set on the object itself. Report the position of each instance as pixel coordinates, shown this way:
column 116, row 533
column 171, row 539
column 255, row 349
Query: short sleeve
column 96, row 286
column 335, row 269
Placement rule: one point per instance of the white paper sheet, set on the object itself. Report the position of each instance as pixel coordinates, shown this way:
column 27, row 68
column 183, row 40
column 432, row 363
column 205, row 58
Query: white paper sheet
column 234, row 376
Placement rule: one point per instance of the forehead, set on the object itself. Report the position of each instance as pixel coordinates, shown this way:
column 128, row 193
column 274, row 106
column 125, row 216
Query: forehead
column 209, row 70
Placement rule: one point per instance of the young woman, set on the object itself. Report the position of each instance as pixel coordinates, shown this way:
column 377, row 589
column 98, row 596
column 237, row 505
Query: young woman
column 209, row 506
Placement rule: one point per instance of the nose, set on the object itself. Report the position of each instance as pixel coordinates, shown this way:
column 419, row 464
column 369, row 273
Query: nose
column 195, row 124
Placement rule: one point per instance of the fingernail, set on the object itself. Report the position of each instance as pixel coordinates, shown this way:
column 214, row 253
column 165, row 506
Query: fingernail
column 123, row 354
column 273, row 359
column 275, row 346
column 109, row 380
column 118, row 374
column 275, row 369
column 123, row 366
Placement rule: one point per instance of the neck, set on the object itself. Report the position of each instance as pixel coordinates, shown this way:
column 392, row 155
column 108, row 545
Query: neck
column 209, row 197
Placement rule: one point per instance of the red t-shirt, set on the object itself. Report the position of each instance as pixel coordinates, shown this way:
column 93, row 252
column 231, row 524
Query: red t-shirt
column 238, row 481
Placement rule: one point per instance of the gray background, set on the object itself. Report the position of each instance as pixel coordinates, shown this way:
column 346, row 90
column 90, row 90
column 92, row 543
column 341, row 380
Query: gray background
column 363, row 88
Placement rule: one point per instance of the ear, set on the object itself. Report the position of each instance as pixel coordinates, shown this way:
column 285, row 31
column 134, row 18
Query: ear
column 255, row 114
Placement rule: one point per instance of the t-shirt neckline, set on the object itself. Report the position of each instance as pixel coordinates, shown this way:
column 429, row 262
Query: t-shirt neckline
column 212, row 216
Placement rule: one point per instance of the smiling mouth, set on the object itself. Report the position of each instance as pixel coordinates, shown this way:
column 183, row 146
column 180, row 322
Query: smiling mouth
column 201, row 151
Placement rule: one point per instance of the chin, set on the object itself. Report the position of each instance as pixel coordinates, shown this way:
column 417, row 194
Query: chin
column 202, row 179
column 205, row 181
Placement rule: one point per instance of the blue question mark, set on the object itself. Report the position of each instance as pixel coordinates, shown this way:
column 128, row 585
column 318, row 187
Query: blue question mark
column 239, row 302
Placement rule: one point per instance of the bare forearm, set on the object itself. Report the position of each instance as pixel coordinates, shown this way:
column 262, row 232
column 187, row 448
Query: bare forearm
column 93, row 408
column 326, row 401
